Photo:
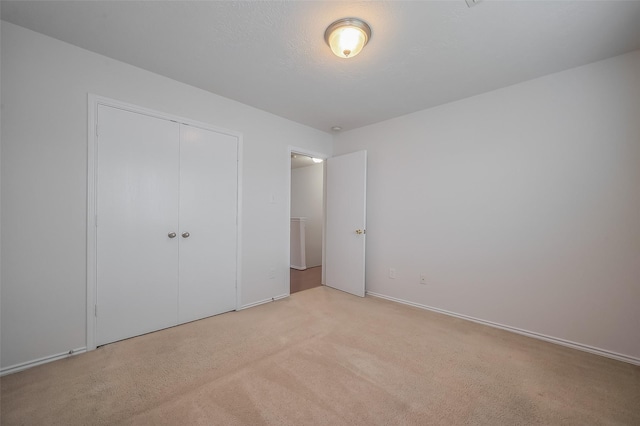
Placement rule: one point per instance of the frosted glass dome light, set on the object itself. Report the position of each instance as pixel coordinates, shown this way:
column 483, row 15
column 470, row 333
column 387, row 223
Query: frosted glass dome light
column 347, row 36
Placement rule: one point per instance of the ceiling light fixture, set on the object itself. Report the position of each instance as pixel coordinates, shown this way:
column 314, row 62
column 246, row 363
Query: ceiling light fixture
column 347, row 36
column 316, row 160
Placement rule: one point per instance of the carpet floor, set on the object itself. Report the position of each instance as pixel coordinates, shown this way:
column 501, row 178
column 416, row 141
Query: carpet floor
column 328, row 358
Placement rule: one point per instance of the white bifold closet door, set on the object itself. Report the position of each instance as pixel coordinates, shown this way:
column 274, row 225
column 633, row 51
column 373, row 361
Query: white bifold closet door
column 166, row 200
column 208, row 212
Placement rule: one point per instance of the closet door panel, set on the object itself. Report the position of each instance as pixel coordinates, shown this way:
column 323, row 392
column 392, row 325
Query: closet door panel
column 208, row 211
column 137, row 206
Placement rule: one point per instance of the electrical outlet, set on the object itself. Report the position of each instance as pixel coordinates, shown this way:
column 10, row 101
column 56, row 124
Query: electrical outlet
column 272, row 273
column 392, row 273
column 423, row 278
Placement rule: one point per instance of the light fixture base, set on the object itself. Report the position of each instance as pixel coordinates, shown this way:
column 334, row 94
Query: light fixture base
column 347, row 47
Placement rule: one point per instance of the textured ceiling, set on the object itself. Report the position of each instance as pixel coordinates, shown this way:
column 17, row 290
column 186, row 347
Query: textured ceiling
column 272, row 55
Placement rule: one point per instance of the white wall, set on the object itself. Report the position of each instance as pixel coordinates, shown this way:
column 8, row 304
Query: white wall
column 306, row 201
column 44, row 183
column 522, row 205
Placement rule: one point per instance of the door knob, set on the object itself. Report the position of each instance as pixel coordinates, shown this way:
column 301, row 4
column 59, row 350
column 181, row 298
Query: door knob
column 171, row 235
column 185, row 235
column 360, row 231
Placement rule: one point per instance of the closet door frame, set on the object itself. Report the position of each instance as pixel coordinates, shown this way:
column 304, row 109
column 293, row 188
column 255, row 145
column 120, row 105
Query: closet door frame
column 92, row 131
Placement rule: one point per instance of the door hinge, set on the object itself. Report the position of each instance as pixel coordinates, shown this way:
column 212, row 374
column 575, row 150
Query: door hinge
column 95, row 310
column 96, row 221
column 96, row 129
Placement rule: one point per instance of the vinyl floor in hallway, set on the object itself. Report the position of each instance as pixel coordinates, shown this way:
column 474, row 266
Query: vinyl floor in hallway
column 304, row 280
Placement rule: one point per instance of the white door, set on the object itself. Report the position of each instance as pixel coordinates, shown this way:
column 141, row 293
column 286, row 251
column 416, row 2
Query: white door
column 346, row 222
column 137, row 208
column 166, row 203
column 208, row 212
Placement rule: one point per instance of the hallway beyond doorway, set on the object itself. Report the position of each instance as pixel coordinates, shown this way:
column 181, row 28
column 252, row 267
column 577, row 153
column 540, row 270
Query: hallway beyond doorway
column 304, row 280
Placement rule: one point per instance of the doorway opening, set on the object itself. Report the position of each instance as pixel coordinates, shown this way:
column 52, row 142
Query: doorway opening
column 306, row 220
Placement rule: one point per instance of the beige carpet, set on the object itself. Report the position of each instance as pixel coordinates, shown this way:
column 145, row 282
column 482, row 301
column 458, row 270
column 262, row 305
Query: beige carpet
column 325, row 357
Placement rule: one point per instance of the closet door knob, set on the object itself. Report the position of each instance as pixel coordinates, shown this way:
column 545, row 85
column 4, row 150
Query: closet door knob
column 171, row 235
column 185, row 235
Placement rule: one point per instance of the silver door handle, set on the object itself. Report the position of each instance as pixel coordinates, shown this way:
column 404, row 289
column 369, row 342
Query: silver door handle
column 171, row 235
column 185, row 235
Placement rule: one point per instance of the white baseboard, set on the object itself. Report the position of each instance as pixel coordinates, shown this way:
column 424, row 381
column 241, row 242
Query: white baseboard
column 24, row 365
column 299, row 268
column 262, row 302
column 558, row 341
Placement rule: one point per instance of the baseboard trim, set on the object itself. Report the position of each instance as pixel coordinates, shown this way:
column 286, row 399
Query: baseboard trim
column 262, row 302
column 539, row 336
column 44, row 360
